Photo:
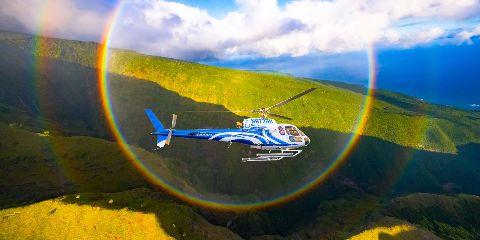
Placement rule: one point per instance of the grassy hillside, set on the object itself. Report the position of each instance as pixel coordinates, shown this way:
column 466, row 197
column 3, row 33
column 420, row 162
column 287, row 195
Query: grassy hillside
column 414, row 216
column 394, row 116
column 55, row 141
column 63, row 89
column 151, row 215
column 391, row 228
column 135, row 214
column 451, row 217
column 355, row 217
column 36, row 166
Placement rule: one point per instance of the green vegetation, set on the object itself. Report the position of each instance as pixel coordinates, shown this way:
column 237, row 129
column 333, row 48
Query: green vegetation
column 36, row 166
column 135, row 214
column 450, row 217
column 55, row 141
column 395, row 117
column 66, row 90
column 391, row 228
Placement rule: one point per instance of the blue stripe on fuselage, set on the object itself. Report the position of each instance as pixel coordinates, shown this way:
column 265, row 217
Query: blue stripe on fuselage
column 201, row 133
column 241, row 136
column 263, row 136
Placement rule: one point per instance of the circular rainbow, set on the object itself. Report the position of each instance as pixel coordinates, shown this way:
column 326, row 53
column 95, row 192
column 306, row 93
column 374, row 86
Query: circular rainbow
column 103, row 61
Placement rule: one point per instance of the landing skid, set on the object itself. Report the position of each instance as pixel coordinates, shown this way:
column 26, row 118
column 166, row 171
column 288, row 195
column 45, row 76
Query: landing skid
column 273, row 155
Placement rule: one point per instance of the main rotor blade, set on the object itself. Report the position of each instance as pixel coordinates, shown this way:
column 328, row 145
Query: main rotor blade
column 292, row 98
column 219, row 111
column 279, row 116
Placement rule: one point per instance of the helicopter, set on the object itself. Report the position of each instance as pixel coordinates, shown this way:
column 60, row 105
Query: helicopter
column 275, row 140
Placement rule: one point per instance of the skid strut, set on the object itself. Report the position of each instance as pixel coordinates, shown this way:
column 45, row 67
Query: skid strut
column 273, row 155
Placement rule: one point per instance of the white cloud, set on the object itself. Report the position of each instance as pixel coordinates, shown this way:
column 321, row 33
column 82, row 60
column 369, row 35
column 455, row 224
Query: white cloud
column 56, row 18
column 467, row 35
column 413, row 38
column 259, row 27
column 262, row 28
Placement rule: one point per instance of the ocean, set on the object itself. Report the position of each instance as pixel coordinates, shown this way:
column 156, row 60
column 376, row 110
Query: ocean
column 442, row 74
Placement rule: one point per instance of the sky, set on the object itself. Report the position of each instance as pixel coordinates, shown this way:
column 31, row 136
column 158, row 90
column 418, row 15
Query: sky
column 198, row 30
column 312, row 38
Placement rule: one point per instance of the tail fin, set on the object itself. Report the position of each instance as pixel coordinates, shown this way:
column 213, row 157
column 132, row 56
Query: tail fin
column 161, row 139
column 155, row 122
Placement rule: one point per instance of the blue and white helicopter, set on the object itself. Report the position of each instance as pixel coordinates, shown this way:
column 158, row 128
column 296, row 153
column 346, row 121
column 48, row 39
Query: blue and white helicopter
column 280, row 140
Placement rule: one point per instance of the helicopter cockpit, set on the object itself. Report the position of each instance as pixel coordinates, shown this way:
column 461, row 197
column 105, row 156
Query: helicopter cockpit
column 295, row 135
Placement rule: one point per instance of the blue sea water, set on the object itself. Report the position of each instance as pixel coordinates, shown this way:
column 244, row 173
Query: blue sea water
column 448, row 75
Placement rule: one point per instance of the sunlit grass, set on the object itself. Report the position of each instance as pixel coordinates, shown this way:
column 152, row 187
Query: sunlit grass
column 391, row 228
column 376, row 232
column 54, row 219
column 135, row 214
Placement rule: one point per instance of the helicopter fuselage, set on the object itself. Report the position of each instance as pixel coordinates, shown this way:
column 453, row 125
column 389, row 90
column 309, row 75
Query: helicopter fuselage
column 258, row 133
column 281, row 140
column 273, row 136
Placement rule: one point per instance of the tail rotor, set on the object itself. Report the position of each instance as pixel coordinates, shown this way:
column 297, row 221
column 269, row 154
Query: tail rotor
column 163, row 138
column 170, row 131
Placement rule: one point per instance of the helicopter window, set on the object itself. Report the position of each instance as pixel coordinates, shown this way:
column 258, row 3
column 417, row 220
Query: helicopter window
column 292, row 131
column 295, row 139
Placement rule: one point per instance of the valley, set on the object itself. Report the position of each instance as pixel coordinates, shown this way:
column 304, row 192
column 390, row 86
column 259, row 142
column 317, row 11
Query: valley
column 56, row 144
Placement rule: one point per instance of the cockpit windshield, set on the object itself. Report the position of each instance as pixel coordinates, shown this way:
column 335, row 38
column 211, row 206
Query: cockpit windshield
column 292, row 131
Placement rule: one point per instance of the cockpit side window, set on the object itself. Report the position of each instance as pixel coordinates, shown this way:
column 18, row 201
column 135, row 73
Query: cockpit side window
column 295, row 138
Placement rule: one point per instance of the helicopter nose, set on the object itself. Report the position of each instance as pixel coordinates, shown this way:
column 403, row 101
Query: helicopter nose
column 307, row 140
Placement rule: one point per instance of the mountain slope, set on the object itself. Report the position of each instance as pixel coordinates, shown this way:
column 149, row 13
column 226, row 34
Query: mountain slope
column 391, row 228
column 451, row 217
column 329, row 107
column 64, row 82
column 36, row 166
column 135, row 214
column 56, row 136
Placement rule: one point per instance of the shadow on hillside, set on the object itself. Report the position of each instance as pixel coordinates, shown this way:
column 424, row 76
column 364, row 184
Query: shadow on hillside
column 382, row 169
column 178, row 221
column 68, row 95
column 61, row 96
column 378, row 177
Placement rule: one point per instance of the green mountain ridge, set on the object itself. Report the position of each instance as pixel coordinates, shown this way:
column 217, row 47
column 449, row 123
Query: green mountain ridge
column 51, row 96
column 197, row 82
